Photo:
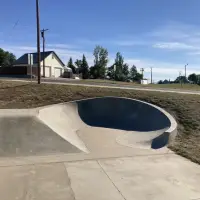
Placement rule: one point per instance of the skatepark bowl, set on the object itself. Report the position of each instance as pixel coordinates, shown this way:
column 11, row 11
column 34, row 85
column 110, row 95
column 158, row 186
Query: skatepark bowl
column 85, row 126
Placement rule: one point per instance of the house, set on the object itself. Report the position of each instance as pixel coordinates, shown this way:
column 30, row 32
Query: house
column 54, row 67
column 144, row 81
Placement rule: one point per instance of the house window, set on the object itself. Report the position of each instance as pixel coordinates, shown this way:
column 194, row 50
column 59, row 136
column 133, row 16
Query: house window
column 52, row 56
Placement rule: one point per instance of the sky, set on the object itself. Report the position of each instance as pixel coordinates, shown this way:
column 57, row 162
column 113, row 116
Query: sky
column 161, row 34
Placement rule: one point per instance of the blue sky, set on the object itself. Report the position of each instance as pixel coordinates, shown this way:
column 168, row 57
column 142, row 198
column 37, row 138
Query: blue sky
column 161, row 34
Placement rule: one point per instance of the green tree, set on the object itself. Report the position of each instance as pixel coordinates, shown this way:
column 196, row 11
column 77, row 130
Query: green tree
column 84, row 68
column 7, row 59
column 181, row 79
column 133, row 72
column 100, row 62
column 78, row 64
column 71, row 65
column 193, row 78
column 135, row 75
column 138, row 77
column 119, row 70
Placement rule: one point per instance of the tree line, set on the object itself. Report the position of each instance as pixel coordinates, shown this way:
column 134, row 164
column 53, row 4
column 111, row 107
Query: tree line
column 192, row 78
column 7, row 59
column 118, row 71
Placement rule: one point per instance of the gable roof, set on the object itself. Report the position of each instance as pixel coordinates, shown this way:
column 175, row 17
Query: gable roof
column 24, row 58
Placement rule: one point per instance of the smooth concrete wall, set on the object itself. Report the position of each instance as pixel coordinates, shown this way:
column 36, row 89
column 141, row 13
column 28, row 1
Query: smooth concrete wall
column 123, row 114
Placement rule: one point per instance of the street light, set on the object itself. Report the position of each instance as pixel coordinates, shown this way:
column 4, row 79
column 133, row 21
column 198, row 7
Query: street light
column 151, row 75
column 186, row 70
column 38, row 40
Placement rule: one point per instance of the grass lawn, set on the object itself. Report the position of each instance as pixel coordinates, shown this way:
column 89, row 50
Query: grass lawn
column 156, row 86
column 185, row 108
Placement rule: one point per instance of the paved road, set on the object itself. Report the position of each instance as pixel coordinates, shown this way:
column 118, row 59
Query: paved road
column 108, row 85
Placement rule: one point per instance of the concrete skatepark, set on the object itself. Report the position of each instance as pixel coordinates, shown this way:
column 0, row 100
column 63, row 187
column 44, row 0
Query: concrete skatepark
column 101, row 148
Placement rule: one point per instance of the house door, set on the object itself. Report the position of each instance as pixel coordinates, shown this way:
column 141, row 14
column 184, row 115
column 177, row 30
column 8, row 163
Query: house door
column 58, row 72
column 47, row 71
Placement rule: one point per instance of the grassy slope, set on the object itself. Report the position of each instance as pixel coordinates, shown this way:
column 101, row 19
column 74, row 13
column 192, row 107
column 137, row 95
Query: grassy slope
column 170, row 86
column 185, row 108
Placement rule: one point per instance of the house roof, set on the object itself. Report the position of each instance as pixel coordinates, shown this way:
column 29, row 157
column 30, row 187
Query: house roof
column 24, row 58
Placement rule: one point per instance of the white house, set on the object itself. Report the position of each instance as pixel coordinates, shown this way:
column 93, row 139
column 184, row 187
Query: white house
column 144, row 81
column 54, row 67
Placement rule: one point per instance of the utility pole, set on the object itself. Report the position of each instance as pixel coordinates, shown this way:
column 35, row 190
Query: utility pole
column 38, row 40
column 142, row 70
column 180, row 77
column 186, row 71
column 43, row 37
column 151, row 75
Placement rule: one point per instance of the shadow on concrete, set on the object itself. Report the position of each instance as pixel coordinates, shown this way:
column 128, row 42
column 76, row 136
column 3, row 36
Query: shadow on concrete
column 160, row 141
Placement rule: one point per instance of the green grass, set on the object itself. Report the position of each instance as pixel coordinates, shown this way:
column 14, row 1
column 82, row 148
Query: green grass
column 157, row 86
column 185, row 108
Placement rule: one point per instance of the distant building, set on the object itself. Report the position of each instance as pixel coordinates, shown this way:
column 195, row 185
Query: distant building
column 54, row 67
column 144, row 81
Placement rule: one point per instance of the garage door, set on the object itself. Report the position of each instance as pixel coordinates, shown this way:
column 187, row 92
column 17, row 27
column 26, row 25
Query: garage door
column 58, row 72
column 47, row 72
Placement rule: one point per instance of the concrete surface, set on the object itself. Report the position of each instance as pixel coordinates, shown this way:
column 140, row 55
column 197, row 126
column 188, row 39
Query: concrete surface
column 130, row 116
column 155, row 177
column 60, row 152
column 25, row 136
column 38, row 182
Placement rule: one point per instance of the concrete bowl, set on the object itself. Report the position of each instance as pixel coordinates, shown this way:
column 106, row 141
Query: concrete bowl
column 133, row 122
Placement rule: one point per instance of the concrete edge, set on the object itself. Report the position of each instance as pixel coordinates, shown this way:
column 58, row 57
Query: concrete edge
column 29, row 112
column 171, row 132
column 33, row 112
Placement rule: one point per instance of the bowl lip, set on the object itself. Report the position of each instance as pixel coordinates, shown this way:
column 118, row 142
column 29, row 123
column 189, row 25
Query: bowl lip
column 34, row 111
column 173, row 123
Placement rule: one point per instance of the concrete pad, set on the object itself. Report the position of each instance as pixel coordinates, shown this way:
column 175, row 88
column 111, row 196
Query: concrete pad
column 89, row 182
column 40, row 182
column 25, row 136
column 154, row 177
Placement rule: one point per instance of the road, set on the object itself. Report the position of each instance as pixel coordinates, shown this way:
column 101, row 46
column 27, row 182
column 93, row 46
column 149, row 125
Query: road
column 63, row 81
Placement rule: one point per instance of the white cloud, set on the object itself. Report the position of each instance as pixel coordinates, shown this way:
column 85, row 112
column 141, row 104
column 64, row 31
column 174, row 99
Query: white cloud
column 178, row 37
column 62, row 46
column 130, row 42
column 174, row 46
column 162, row 70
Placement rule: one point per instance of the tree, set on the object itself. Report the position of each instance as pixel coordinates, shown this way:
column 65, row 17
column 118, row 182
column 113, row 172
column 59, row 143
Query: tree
column 84, row 68
column 78, row 64
column 181, row 79
column 100, row 62
column 138, row 77
column 133, row 72
column 70, row 65
column 135, row 75
column 193, row 78
column 7, row 59
column 119, row 70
